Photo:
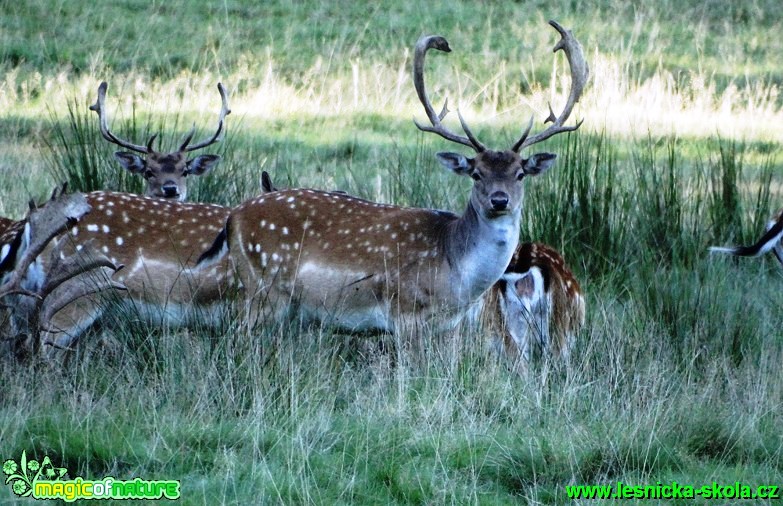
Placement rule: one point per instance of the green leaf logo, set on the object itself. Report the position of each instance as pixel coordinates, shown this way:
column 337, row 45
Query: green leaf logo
column 21, row 476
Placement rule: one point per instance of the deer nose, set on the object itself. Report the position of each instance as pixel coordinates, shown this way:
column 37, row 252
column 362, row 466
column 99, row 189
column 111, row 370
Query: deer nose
column 499, row 200
column 170, row 189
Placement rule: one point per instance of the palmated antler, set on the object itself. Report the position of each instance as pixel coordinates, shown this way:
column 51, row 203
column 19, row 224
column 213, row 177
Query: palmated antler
column 579, row 76
column 422, row 46
column 43, row 225
column 36, row 306
column 100, row 108
column 56, row 294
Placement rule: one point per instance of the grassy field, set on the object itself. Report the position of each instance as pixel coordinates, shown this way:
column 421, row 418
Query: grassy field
column 676, row 376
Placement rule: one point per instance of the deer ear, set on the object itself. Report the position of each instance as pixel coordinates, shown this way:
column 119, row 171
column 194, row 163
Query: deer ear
column 455, row 162
column 129, row 161
column 539, row 163
column 266, row 182
column 202, row 164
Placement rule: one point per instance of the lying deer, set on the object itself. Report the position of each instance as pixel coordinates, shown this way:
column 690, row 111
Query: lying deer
column 362, row 265
column 536, row 308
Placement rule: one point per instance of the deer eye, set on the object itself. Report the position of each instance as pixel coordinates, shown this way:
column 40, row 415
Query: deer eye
column 148, row 174
column 475, row 176
column 520, row 176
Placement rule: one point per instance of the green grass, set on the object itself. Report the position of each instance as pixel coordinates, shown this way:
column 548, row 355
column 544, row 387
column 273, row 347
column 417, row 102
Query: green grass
column 676, row 374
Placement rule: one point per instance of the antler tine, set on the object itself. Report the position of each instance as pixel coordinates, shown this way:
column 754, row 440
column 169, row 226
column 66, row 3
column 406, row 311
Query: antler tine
column 188, row 138
column 224, row 111
column 441, row 44
column 150, row 142
column 74, row 265
column 55, row 299
column 100, row 109
column 580, row 73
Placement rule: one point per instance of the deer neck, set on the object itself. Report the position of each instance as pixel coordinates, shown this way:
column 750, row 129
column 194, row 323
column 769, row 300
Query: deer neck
column 478, row 250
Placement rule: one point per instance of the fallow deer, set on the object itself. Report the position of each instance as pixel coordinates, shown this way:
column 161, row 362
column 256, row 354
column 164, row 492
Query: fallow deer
column 164, row 173
column 362, row 265
column 34, row 294
column 771, row 240
column 536, row 308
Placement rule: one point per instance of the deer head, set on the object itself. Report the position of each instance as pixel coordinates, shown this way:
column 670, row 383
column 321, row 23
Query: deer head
column 497, row 175
column 164, row 173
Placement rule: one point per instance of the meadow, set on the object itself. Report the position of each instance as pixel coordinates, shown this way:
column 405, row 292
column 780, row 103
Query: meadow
column 676, row 375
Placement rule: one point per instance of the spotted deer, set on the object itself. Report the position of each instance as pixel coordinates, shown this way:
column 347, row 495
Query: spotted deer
column 164, row 173
column 771, row 240
column 363, row 265
column 536, row 308
column 32, row 293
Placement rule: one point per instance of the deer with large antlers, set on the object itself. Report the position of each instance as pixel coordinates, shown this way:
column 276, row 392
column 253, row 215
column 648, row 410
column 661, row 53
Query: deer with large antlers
column 362, row 265
column 35, row 293
column 536, row 308
column 771, row 240
column 164, row 173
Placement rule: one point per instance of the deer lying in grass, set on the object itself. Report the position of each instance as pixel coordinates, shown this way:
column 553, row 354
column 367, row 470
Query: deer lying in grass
column 164, row 173
column 361, row 265
column 34, row 293
column 536, row 308
column 771, row 240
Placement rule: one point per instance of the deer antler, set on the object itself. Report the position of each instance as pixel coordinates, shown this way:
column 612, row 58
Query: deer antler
column 100, row 109
column 68, row 268
column 579, row 76
column 422, row 46
column 224, row 111
column 42, row 226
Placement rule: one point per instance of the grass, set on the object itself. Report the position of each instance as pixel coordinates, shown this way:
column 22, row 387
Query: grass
column 676, row 375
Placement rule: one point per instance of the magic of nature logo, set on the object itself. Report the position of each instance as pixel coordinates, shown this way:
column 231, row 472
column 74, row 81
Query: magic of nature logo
column 43, row 480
